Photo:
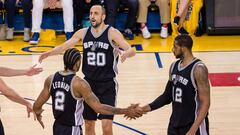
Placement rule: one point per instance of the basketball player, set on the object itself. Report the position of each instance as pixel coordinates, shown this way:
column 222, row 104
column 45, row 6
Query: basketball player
column 68, row 92
column 101, row 45
column 12, row 94
column 188, row 90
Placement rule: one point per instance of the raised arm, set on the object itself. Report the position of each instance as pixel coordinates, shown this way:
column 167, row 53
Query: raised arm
column 66, row 45
column 82, row 88
column 118, row 38
column 201, row 77
column 8, row 72
column 42, row 99
column 14, row 96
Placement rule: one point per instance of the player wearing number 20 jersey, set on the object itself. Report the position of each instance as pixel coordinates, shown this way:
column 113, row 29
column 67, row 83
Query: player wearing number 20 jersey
column 99, row 56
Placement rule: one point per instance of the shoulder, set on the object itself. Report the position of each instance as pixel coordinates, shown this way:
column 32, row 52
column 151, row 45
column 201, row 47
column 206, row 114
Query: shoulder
column 200, row 70
column 114, row 32
column 79, row 83
column 49, row 79
column 80, row 33
column 173, row 64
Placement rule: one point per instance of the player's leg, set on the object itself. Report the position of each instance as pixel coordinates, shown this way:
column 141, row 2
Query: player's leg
column 171, row 130
column 107, row 126
column 109, row 98
column 90, row 117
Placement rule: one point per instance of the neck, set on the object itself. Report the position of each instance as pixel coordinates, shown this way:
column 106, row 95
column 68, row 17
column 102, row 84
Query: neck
column 187, row 58
column 99, row 28
column 68, row 70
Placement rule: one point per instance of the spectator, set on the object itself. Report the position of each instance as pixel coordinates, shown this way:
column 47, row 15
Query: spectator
column 37, row 12
column 10, row 8
column 112, row 7
column 164, row 9
column 80, row 7
column 182, row 10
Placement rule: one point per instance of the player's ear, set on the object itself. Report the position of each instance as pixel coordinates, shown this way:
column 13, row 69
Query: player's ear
column 103, row 17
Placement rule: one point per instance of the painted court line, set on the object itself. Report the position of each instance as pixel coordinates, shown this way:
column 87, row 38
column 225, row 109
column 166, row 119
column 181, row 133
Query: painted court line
column 157, row 55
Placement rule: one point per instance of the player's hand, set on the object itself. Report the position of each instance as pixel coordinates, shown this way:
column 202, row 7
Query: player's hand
column 134, row 112
column 191, row 131
column 43, row 56
column 30, row 110
column 33, row 70
column 123, row 54
column 39, row 118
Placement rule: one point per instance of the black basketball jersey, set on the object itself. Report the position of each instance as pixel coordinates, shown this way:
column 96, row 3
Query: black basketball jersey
column 67, row 109
column 185, row 101
column 100, row 57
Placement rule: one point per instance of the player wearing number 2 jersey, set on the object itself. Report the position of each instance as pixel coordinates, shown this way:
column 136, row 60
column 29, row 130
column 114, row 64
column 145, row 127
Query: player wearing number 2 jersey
column 68, row 92
column 101, row 47
column 188, row 90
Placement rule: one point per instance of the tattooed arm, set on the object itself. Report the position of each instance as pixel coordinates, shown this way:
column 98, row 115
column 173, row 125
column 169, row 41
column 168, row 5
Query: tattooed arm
column 201, row 77
column 82, row 89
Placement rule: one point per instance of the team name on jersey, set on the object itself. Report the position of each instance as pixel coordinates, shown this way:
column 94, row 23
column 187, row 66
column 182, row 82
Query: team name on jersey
column 96, row 44
column 60, row 84
column 178, row 78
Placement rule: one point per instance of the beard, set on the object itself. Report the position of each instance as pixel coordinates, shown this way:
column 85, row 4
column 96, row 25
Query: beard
column 180, row 55
column 97, row 24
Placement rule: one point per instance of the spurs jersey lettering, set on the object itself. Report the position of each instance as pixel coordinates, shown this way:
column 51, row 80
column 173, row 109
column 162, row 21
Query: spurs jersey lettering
column 67, row 109
column 100, row 57
column 184, row 94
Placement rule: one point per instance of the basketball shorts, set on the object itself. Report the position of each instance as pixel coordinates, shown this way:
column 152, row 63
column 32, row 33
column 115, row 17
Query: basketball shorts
column 106, row 93
column 202, row 130
column 60, row 129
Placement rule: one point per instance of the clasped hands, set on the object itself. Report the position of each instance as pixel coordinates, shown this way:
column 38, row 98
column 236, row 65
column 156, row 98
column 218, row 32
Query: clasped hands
column 135, row 111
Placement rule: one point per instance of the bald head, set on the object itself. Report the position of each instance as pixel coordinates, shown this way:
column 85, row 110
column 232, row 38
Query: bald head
column 98, row 8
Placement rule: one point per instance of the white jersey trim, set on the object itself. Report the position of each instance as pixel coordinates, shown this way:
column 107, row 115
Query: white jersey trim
column 116, row 88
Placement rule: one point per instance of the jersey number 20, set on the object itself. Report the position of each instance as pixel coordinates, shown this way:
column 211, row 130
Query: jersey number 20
column 59, row 100
column 96, row 59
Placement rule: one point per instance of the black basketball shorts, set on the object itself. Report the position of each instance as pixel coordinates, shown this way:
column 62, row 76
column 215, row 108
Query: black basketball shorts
column 106, row 92
column 60, row 129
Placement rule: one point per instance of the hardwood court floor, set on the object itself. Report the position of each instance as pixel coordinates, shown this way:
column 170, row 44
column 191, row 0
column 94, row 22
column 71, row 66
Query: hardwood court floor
column 141, row 80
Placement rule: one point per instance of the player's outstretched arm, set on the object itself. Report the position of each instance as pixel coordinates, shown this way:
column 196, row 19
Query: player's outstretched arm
column 8, row 72
column 66, row 45
column 14, row 96
column 82, row 89
column 42, row 99
column 118, row 38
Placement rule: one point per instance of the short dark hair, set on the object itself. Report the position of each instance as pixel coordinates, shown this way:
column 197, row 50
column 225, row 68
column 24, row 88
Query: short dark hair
column 184, row 40
column 70, row 57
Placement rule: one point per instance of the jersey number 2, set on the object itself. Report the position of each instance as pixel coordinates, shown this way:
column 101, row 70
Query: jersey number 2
column 178, row 95
column 59, row 100
column 96, row 59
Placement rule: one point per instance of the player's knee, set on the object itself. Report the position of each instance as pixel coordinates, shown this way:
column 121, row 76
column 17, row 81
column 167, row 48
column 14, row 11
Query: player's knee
column 89, row 125
column 107, row 129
